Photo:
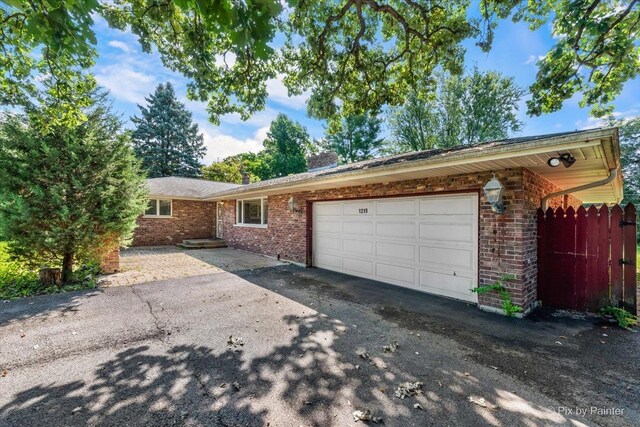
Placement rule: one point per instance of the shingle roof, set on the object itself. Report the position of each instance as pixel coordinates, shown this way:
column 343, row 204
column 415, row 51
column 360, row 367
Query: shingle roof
column 396, row 159
column 187, row 188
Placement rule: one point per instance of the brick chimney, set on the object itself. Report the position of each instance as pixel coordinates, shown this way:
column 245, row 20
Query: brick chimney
column 245, row 177
column 326, row 160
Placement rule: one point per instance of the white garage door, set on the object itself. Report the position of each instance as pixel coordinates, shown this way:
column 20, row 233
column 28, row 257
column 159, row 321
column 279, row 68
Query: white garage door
column 427, row 243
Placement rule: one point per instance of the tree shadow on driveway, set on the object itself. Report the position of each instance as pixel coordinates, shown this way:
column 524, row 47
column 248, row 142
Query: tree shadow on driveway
column 312, row 368
column 42, row 306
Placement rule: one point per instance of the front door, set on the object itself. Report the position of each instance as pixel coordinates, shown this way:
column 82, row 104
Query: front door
column 219, row 220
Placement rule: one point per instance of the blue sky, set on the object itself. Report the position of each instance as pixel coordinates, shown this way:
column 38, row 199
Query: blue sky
column 131, row 74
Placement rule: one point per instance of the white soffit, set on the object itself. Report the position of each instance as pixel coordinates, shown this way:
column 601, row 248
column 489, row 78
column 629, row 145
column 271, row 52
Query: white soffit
column 595, row 155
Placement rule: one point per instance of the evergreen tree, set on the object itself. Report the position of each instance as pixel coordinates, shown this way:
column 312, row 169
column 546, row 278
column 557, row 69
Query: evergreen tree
column 70, row 187
column 355, row 138
column 286, row 148
column 165, row 138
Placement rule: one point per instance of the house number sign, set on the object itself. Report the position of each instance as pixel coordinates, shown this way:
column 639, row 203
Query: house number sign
column 363, row 210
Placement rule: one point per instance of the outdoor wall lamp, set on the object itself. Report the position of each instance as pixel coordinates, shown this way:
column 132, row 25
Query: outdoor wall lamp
column 293, row 205
column 493, row 193
column 566, row 159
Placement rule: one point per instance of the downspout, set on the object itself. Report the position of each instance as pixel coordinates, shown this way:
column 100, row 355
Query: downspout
column 613, row 173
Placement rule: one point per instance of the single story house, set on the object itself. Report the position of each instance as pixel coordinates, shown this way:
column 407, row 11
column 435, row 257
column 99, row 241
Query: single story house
column 426, row 220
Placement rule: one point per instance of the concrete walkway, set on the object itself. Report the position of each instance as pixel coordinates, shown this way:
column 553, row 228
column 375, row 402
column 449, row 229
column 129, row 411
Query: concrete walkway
column 156, row 263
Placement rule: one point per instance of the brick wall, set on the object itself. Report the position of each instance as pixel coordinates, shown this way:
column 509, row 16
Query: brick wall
column 507, row 242
column 110, row 263
column 190, row 220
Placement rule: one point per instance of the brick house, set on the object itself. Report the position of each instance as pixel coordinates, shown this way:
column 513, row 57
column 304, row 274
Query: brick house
column 178, row 211
column 421, row 220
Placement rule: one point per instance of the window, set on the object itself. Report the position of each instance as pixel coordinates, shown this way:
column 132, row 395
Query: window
column 253, row 212
column 157, row 207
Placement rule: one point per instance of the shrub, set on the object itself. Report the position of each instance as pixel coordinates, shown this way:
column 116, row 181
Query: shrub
column 510, row 309
column 625, row 319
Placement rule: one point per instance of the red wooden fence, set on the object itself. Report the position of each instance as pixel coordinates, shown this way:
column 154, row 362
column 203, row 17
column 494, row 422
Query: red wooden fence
column 587, row 258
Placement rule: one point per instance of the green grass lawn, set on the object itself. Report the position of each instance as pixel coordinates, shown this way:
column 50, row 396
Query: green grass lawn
column 19, row 280
column 16, row 279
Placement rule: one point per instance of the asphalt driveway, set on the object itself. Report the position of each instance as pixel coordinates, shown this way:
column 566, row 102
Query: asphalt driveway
column 312, row 354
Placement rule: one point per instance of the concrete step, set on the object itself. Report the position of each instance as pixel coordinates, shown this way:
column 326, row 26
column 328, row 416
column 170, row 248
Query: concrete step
column 202, row 243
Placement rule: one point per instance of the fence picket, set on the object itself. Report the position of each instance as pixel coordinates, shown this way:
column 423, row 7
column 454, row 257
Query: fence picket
column 616, row 289
column 629, row 270
column 581, row 259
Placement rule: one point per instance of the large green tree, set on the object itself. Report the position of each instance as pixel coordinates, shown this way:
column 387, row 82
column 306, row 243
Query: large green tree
column 231, row 168
column 467, row 109
column 354, row 56
column 70, row 192
column 286, row 148
column 629, row 156
column 165, row 137
column 355, row 138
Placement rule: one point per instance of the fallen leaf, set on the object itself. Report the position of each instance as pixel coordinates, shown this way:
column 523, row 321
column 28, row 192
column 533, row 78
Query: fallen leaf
column 366, row 416
column 483, row 403
column 466, row 374
column 418, row 406
column 390, row 348
column 409, row 389
column 4, row 373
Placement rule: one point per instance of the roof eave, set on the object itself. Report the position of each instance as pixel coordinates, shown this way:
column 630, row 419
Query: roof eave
column 496, row 152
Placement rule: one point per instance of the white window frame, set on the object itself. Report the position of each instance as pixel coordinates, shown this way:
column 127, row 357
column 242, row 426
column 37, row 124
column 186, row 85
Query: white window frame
column 263, row 220
column 157, row 215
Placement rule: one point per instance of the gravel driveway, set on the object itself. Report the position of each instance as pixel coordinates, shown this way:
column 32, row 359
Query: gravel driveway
column 311, row 353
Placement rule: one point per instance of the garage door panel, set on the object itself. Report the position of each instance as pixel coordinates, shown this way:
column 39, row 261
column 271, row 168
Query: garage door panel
column 448, row 285
column 327, row 243
column 396, row 207
column 429, row 243
column 463, row 258
column 396, row 273
column 447, row 232
column 399, row 230
column 324, row 226
column 360, row 247
column 327, row 209
column 401, row 251
column 362, row 228
column 447, row 205
column 328, row 261
column 357, row 266
column 448, row 219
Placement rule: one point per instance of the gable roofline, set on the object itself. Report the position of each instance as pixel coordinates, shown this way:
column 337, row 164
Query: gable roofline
column 487, row 154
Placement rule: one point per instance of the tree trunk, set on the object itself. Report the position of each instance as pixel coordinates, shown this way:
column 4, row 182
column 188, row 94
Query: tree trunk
column 49, row 277
column 67, row 268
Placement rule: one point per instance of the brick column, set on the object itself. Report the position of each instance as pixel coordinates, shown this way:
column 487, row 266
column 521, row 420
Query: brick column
column 110, row 263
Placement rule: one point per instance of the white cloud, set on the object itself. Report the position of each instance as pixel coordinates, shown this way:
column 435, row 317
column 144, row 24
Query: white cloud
column 125, row 83
column 220, row 145
column 592, row 122
column 120, row 45
column 279, row 93
column 227, row 60
column 534, row 58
